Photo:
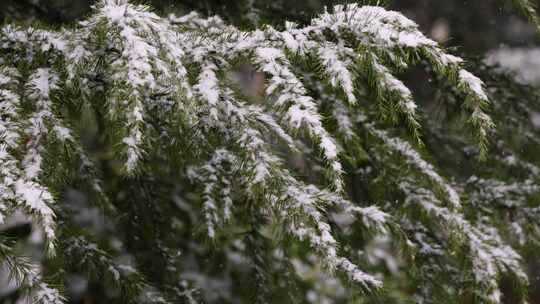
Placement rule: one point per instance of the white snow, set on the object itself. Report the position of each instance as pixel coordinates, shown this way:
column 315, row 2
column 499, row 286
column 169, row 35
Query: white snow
column 339, row 72
column 474, row 83
column 47, row 295
column 415, row 159
column 208, row 87
column 115, row 12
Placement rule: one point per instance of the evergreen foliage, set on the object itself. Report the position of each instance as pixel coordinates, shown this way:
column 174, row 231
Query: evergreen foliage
column 334, row 185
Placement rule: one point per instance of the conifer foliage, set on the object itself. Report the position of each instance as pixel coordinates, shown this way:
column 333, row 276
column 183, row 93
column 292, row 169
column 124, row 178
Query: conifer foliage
column 209, row 190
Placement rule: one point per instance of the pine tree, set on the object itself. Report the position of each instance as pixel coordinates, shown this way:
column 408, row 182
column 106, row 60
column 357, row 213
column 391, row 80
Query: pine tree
column 152, row 175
